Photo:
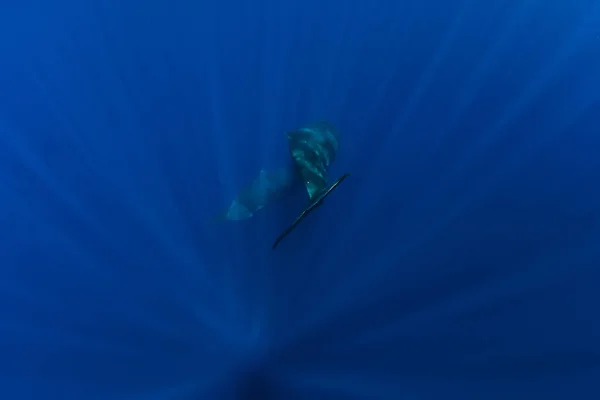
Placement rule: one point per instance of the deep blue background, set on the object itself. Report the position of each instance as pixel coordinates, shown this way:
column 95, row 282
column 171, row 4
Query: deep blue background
column 460, row 259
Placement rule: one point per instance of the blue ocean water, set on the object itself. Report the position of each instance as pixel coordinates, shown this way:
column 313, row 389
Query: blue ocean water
column 459, row 260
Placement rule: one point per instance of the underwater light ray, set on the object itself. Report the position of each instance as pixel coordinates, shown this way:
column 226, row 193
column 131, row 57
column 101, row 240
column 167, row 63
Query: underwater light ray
column 480, row 148
column 533, row 90
column 383, row 88
column 453, row 351
column 509, row 165
column 70, row 206
column 358, row 89
column 41, row 86
column 489, row 59
column 47, row 85
column 44, row 329
column 82, row 49
column 467, row 358
column 190, row 389
column 29, row 172
column 55, row 112
column 387, row 150
column 323, row 98
column 346, row 296
column 385, row 81
column 420, row 89
column 480, row 301
column 233, row 261
column 275, row 55
column 76, row 389
column 126, row 336
column 106, row 327
column 551, row 133
column 346, row 384
column 124, row 381
column 74, row 258
column 368, row 282
column 333, row 75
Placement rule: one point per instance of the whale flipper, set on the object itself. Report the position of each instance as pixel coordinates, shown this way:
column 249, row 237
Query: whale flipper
column 235, row 212
column 316, row 201
column 265, row 189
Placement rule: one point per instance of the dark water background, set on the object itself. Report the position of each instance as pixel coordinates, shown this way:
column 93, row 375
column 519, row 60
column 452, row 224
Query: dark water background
column 460, row 260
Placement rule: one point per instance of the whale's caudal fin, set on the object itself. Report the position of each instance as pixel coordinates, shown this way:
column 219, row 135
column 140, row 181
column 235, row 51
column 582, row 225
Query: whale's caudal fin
column 316, row 201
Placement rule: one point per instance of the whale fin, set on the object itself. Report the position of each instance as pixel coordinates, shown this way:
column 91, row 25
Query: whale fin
column 235, row 212
column 262, row 191
column 316, row 201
